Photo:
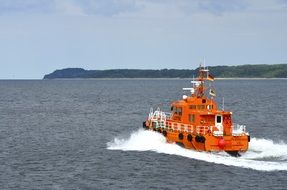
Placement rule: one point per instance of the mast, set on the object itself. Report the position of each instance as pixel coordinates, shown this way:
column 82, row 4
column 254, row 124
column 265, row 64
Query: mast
column 198, row 85
column 201, row 78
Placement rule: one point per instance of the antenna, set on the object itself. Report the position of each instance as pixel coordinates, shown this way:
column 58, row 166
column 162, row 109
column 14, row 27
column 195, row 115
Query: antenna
column 223, row 104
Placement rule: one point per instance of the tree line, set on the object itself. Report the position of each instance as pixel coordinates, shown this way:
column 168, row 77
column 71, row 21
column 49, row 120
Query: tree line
column 242, row 71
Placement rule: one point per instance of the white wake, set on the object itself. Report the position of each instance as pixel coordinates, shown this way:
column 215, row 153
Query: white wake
column 263, row 154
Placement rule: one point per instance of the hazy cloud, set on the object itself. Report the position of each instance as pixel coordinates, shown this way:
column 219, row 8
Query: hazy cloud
column 107, row 7
column 110, row 8
column 19, row 6
column 221, row 6
column 282, row 1
column 88, row 7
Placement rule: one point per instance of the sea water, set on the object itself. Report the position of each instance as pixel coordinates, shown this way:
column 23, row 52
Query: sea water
column 86, row 134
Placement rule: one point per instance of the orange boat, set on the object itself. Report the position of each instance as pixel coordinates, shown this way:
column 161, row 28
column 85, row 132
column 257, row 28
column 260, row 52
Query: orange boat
column 197, row 123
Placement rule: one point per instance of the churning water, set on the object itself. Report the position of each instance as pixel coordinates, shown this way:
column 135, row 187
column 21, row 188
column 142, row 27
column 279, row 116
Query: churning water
column 86, row 134
column 256, row 158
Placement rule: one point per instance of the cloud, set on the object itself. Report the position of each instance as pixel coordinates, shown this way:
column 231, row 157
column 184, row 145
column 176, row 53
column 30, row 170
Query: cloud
column 220, row 6
column 138, row 8
column 107, row 7
column 20, row 6
column 282, row 1
column 68, row 7
column 215, row 7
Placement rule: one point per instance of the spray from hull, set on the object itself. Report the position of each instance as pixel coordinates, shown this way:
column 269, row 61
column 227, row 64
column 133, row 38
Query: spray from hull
column 263, row 155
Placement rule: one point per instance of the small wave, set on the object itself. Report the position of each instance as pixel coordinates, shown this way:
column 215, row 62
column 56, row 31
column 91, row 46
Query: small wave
column 263, row 154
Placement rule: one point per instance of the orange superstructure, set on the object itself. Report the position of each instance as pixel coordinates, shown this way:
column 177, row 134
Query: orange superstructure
column 197, row 123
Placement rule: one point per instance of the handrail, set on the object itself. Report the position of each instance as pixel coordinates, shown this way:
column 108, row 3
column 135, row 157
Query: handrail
column 238, row 130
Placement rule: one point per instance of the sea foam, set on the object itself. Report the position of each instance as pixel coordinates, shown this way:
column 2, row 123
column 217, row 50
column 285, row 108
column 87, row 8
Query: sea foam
column 263, row 154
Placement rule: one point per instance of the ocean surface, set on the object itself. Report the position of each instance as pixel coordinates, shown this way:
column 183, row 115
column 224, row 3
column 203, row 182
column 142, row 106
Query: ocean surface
column 86, row 134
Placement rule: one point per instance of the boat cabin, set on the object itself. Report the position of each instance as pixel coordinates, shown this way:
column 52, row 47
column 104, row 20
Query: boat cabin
column 201, row 112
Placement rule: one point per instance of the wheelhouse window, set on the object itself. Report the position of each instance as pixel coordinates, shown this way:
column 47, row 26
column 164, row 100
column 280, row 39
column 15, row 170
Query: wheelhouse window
column 209, row 107
column 193, row 107
column 179, row 111
column 191, row 118
column 200, row 107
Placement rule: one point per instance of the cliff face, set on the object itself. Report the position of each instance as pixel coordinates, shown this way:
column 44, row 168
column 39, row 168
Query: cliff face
column 243, row 71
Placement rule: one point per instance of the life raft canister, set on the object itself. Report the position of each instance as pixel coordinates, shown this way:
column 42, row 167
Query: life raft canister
column 221, row 143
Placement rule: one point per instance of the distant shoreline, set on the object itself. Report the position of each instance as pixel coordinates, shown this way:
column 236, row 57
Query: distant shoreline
column 63, row 79
column 220, row 72
column 160, row 79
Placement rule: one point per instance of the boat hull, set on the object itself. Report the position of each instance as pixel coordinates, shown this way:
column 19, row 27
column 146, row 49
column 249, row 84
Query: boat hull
column 205, row 142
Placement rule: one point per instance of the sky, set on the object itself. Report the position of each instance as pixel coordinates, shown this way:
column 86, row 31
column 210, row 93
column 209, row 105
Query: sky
column 40, row 36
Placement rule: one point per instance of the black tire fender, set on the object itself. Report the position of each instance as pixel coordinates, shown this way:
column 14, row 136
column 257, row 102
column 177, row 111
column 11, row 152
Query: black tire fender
column 164, row 133
column 180, row 136
column 189, row 137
